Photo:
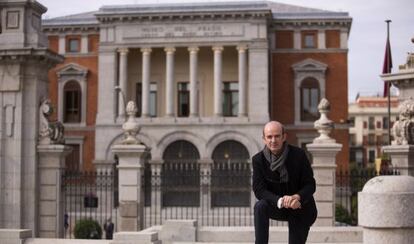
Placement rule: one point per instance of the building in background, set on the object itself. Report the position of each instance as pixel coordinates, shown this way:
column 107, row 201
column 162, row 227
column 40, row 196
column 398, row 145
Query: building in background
column 206, row 77
column 368, row 132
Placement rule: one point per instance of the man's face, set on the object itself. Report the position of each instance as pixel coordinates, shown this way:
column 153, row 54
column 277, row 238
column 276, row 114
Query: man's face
column 273, row 137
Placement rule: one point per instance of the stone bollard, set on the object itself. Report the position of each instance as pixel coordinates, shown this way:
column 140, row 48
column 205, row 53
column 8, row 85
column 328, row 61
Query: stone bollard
column 385, row 210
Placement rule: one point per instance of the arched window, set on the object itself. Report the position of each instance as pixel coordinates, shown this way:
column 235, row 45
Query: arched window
column 310, row 96
column 72, row 102
column 180, row 175
column 230, row 175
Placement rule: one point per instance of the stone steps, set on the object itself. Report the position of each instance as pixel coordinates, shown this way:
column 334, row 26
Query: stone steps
column 343, row 235
column 269, row 242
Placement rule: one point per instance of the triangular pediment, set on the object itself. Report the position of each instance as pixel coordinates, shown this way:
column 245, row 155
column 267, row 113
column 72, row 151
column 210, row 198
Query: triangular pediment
column 72, row 69
column 309, row 64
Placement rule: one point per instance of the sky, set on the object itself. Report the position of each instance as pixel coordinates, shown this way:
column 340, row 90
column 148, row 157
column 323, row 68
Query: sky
column 366, row 41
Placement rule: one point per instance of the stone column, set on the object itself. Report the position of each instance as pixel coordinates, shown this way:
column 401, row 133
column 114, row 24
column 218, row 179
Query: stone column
column 385, row 210
column 297, row 41
column 193, row 81
column 324, row 150
column 107, row 72
column 146, row 79
column 321, row 39
column 258, row 85
column 242, row 80
column 84, row 44
column 131, row 190
column 123, row 81
column 51, row 165
column 343, row 39
column 169, row 82
column 62, row 44
column 402, row 158
column 218, row 96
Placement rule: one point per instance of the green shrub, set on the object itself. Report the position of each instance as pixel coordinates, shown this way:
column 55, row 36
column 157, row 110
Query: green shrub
column 88, row 229
column 342, row 215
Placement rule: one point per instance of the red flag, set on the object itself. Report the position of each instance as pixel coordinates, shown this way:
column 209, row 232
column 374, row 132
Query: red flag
column 387, row 66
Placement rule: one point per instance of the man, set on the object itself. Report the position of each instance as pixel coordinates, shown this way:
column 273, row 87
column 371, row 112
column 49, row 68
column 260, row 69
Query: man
column 284, row 185
column 109, row 229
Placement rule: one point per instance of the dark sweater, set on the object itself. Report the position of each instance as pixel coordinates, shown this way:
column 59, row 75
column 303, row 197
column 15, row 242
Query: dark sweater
column 267, row 186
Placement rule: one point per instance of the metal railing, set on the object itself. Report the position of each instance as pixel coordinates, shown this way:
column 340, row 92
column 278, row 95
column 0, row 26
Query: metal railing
column 89, row 195
column 348, row 184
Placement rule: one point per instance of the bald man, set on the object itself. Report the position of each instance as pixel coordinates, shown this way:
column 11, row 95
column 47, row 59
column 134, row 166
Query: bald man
column 284, row 185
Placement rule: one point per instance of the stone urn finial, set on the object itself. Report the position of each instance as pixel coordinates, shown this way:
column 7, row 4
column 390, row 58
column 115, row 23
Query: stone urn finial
column 324, row 125
column 131, row 127
column 403, row 128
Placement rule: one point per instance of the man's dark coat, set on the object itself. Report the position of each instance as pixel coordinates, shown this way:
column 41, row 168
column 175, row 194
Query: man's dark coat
column 267, row 186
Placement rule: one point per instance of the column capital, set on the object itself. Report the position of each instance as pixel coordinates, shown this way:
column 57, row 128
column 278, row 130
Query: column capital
column 146, row 50
column 241, row 48
column 193, row 49
column 169, row 49
column 217, row 48
column 123, row 50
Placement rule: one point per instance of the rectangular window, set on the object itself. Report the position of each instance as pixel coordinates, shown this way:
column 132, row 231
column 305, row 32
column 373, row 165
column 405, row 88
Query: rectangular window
column 359, row 157
column 385, row 123
column 352, row 139
column 73, row 45
column 309, row 39
column 371, row 156
column 371, row 139
column 138, row 98
column 183, row 99
column 72, row 106
column 153, row 100
column 385, row 139
column 310, row 97
column 378, row 124
column 379, row 141
column 352, row 155
column 371, row 123
column 351, row 121
column 365, row 125
column 230, row 99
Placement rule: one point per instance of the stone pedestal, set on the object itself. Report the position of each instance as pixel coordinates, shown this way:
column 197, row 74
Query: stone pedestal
column 179, row 231
column 51, row 165
column 131, row 190
column 24, row 63
column 402, row 158
column 14, row 236
column 324, row 168
column 385, row 210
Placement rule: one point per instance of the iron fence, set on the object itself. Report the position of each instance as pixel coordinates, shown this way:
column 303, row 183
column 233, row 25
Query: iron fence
column 348, row 184
column 217, row 195
column 89, row 195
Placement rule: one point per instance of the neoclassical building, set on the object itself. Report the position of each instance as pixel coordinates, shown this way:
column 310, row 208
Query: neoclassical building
column 205, row 77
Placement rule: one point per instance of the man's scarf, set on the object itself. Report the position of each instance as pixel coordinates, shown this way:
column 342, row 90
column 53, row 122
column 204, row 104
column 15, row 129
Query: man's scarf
column 277, row 162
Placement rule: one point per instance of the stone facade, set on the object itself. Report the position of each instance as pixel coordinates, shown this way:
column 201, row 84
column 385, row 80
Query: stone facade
column 205, row 45
column 24, row 62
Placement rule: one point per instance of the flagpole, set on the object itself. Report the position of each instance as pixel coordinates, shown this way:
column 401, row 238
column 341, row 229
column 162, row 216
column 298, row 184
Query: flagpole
column 389, row 85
